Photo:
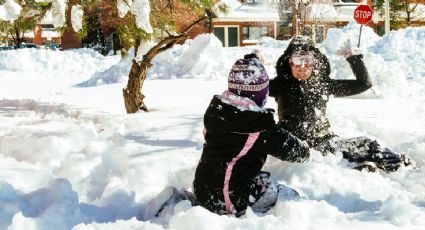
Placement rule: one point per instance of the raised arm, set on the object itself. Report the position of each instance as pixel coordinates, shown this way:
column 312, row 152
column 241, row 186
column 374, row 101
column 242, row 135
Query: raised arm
column 341, row 88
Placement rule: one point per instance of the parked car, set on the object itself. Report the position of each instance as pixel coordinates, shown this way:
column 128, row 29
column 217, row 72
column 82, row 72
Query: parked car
column 29, row 45
column 6, row 48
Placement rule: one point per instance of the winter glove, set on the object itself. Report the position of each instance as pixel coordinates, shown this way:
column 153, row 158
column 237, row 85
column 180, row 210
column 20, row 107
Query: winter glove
column 386, row 159
column 300, row 151
column 347, row 50
column 367, row 154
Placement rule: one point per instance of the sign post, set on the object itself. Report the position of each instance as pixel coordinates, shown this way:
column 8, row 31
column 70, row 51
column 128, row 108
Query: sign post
column 362, row 14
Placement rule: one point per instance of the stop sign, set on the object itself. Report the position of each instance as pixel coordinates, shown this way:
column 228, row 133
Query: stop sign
column 363, row 14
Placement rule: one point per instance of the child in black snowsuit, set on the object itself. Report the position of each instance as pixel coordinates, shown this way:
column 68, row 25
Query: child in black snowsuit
column 239, row 134
column 302, row 89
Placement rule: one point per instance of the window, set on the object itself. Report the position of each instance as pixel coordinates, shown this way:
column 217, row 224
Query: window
column 48, row 27
column 315, row 32
column 254, row 32
column 345, row 1
column 253, row 2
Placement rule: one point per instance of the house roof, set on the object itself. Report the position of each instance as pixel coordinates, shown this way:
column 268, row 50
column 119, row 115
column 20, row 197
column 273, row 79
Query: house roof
column 244, row 12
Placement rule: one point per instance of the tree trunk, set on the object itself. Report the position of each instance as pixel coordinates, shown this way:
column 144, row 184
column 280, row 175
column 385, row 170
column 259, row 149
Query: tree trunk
column 133, row 97
column 18, row 39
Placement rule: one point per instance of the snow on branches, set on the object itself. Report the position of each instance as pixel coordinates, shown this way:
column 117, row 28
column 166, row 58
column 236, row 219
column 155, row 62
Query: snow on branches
column 9, row 11
column 141, row 10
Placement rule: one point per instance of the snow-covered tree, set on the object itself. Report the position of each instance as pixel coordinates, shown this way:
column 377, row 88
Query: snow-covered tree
column 149, row 17
column 20, row 16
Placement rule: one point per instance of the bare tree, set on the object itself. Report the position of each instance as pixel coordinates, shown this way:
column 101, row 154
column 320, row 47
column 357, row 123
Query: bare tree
column 403, row 12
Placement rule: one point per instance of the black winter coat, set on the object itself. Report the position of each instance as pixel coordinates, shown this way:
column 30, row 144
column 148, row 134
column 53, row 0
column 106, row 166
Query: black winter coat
column 236, row 147
column 302, row 104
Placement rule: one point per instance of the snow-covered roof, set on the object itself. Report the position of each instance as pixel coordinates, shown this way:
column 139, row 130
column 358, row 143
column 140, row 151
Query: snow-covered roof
column 243, row 12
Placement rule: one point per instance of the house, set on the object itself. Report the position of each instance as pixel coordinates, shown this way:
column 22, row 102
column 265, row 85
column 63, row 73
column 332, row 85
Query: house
column 245, row 23
column 248, row 20
column 44, row 33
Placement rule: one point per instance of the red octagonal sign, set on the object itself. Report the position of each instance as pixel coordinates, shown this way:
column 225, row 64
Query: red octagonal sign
column 363, row 14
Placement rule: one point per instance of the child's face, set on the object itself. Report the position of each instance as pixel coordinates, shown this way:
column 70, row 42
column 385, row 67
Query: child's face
column 302, row 64
column 301, row 72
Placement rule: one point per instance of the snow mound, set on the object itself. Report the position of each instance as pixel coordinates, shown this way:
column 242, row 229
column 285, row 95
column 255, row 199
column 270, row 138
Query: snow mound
column 55, row 62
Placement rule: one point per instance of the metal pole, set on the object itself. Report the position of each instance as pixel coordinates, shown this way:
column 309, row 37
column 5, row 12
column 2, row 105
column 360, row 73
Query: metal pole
column 360, row 35
column 387, row 16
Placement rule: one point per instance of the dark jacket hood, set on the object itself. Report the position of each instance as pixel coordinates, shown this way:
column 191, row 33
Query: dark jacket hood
column 224, row 118
column 322, row 67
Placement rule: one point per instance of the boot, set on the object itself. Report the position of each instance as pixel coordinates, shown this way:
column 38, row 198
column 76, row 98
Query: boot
column 162, row 204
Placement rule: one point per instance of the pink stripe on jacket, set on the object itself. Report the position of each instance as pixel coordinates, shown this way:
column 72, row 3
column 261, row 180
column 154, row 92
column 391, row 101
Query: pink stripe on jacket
column 248, row 145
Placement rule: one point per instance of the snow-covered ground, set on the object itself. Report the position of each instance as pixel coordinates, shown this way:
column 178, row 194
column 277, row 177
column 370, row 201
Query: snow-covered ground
column 70, row 158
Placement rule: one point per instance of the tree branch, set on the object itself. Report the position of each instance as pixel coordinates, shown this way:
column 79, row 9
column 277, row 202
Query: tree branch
column 194, row 23
column 169, row 41
column 171, row 44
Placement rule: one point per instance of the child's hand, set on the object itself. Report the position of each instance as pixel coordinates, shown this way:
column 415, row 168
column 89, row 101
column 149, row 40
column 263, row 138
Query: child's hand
column 347, row 50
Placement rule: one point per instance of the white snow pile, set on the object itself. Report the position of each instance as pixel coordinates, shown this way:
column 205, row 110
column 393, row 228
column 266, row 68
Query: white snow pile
column 71, row 158
column 47, row 64
column 201, row 58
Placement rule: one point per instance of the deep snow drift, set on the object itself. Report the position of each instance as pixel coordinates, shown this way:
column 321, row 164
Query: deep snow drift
column 70, row 158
